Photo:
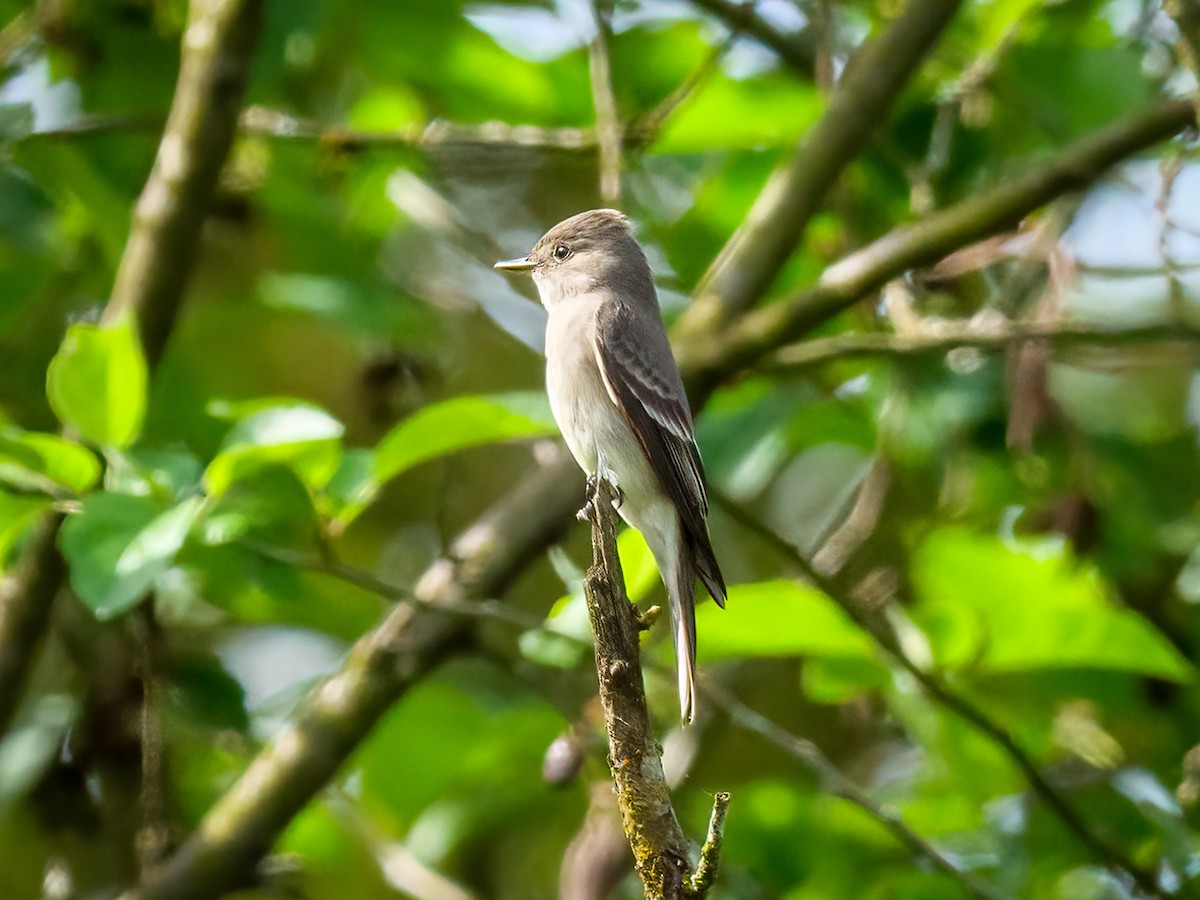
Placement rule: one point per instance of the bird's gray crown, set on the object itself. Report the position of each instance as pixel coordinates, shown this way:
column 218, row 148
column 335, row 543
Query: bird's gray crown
column 591, row 251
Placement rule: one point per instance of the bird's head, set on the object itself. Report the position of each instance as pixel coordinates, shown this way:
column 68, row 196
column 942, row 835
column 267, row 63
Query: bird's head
column 589, row 253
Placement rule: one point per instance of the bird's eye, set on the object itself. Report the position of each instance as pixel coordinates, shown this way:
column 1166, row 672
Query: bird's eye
column 562, row 251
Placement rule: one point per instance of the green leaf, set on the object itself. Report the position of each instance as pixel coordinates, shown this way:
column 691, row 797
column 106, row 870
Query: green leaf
column 766, row 111
column 779, row 618
column 563, row 642
column 460, row 423
column 996, row 608
column 48, row 456
column 305, row 439
column 118, row 544
column 97, row 383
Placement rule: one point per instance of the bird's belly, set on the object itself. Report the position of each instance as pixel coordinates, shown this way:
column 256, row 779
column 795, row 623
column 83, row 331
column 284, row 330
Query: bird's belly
column 594, row 428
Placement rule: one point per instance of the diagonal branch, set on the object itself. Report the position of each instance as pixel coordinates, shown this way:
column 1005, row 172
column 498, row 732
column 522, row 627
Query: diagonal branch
column 709, row 355
column 798, row 50
column 833, row 779
column 218, row 48
column 835, row 782
column 776, row 223
column 881, row 631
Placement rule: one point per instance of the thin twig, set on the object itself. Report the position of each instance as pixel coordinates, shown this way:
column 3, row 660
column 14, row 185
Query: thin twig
column 272, row 124
column 880, row 630
column 609, row 129
column 710, row 853
column 644, row 130
column 951, row 336
column 833, row 781
column 796, row 50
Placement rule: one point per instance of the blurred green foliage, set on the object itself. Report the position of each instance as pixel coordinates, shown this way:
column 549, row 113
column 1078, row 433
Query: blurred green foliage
column 350, row 381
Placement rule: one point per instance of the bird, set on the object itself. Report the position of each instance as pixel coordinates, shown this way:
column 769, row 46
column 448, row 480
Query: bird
column 618, row 398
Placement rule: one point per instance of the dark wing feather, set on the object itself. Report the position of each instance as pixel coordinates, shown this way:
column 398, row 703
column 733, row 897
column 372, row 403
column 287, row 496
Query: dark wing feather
column 644, row 382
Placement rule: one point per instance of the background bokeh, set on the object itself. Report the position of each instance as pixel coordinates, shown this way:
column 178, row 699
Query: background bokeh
column 350, row 385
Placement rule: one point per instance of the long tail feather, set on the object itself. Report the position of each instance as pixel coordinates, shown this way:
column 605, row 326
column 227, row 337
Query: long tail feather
column 705, row 561
column 681, row 602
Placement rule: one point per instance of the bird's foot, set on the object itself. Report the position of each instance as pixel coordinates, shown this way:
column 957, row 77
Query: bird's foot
column 592, row 493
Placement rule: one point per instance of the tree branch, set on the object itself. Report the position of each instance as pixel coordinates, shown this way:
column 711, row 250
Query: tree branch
column 651, row 827
column 796, row 50
column 752, row 260
column 798, row 357
column 609, row 130
column 833, row 779
column 835, row 782
column 880, row 630
column 708, row 355
column 217, row 51
column 218, row 47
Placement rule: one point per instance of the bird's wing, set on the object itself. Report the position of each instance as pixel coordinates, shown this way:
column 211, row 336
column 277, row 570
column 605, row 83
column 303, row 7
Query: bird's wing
column 642, row 380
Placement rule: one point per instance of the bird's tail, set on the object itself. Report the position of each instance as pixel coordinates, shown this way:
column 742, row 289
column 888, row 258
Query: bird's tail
column 681, row 603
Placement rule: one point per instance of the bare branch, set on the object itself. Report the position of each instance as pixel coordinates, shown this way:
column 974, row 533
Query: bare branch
column 797, row 50
column 218, row 47
column 580, row 874
column 609, row 129
column 708, row 355
column 806, row 355
column 658, row 843
column 710, row 853
column 752, row 260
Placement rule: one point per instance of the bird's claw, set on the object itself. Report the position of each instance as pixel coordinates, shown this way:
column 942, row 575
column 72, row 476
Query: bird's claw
column 592, row 493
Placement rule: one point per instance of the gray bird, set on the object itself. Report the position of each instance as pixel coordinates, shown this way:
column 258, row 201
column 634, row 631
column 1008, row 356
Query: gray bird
column 616, row 394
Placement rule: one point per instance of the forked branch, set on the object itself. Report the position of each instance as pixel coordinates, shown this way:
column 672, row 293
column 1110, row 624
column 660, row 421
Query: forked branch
column 659, row 847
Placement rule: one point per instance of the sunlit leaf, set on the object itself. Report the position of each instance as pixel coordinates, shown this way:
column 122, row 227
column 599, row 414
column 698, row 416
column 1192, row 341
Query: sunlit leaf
column 62, row 462
column 301, row 437
column 994, row 608
column 778, row 618
column 97, row 382
column 117, row 545
column 460, row 423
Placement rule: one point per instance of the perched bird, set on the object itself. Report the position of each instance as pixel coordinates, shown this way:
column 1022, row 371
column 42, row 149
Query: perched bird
column 616, row 394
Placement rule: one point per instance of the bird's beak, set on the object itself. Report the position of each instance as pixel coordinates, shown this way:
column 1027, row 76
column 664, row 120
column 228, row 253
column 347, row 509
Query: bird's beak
column 523, row 264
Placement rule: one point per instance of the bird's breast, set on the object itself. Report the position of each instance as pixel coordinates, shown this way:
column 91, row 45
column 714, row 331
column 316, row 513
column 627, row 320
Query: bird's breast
column 591, row 423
